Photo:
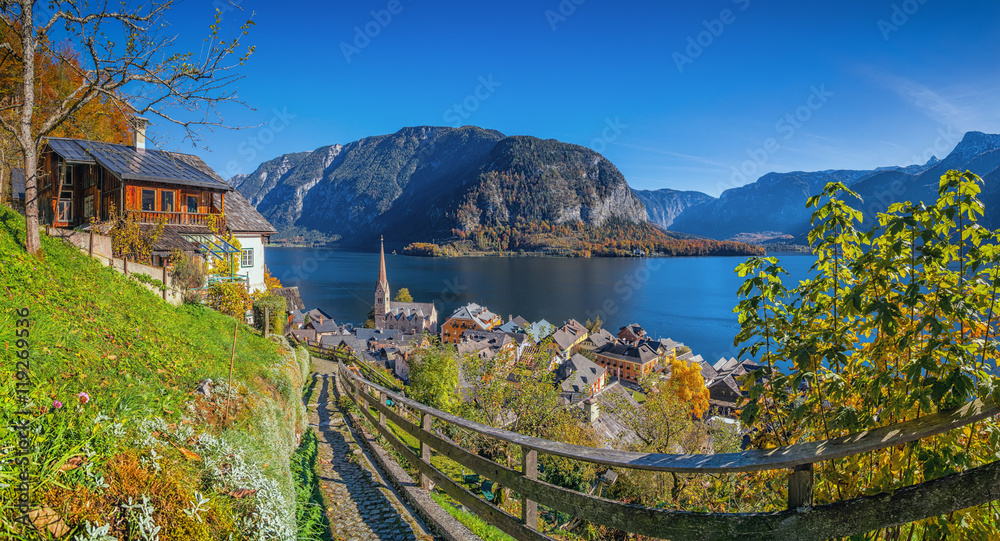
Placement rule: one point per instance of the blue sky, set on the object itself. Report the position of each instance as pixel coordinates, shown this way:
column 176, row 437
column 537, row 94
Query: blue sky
column 693, row 96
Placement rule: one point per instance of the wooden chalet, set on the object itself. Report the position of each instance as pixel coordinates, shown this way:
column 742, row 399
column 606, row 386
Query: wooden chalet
column 82, row 180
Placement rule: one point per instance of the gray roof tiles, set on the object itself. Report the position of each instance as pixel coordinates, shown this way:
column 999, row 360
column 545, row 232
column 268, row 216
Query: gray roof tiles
column 241, row 217
column 127, row 163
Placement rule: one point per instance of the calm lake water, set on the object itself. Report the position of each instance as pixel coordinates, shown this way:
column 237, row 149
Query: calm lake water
column 687, row 299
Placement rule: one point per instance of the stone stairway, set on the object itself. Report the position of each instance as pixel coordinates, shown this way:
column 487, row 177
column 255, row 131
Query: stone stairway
column 361, row 504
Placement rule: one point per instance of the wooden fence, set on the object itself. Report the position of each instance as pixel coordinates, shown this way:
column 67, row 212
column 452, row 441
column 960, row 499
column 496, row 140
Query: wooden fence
column 348, row 357
column 800, row 521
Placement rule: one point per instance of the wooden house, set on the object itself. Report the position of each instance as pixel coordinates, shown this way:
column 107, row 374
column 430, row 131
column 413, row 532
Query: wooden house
column 469, row 317
column 81, row 181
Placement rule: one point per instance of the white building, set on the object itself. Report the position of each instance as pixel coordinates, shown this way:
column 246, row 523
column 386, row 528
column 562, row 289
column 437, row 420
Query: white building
column 253, row 231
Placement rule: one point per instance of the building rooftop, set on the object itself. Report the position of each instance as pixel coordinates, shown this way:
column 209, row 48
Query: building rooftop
column 128, row 163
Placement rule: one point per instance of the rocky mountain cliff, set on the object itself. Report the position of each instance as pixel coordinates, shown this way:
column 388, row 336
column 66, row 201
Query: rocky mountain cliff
column 424, row 182
column 664, row 206
column 775, row 204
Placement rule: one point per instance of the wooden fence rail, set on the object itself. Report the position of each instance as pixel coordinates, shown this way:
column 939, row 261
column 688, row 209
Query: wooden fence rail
column 800, row 521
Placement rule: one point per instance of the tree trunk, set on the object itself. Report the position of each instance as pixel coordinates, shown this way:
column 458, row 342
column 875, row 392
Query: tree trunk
column 28, row 45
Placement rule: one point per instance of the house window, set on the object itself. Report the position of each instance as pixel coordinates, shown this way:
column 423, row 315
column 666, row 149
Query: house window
column 65, row 211
column 88, row 206
column 248, row 257
column 149, row 200
column 66, row 175
column 192, row 203
column 167, row 201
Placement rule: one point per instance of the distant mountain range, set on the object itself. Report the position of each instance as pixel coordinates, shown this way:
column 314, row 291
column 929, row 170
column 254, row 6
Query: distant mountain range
column 426, row 184
column 775, row 204
column 469, row 188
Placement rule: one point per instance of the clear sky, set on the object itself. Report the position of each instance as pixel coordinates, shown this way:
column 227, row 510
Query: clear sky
column 684, row 95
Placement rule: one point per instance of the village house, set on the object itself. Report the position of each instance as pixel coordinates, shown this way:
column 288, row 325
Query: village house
column 632, row 333
column 514, row 324
column 400, row 316
column 724, row 389
column 293, row 300
column 487, row 345
column 580, row 378
column 82, row 180
column 625, row 362
column 569, row 337
column 300, row 317
column 600, row 412
column 469, row 317
column 597, row 339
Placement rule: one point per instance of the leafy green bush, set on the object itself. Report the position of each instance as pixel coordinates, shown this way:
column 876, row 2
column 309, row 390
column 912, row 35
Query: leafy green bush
column 277, row 312
column 230, row 298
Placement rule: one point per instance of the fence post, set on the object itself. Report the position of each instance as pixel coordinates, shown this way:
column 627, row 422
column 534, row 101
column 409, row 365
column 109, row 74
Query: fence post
column 91, row 243
column 164, row 271
column 800, row 486
column 529, row 469
column 381, row 416
column 267, row 322
column 425, row 451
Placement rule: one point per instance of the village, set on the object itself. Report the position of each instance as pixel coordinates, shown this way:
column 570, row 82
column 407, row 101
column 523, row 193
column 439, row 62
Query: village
column 592, row 366
column 197, row 213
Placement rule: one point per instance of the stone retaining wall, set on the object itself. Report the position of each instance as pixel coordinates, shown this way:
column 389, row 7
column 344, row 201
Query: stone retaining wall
column 99, row 247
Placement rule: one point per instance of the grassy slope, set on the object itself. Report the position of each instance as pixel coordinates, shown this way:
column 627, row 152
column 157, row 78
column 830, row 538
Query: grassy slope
column 139, row 359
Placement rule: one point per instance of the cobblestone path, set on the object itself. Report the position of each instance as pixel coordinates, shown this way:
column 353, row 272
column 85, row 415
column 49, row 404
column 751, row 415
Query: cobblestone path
column 361, row 506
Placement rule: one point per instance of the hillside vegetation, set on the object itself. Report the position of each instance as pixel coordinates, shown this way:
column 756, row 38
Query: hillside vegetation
column 140, row 451
column 616, row 238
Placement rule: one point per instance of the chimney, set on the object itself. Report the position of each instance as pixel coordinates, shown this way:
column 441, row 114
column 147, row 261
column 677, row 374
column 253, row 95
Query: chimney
column 592, row 408
column 140, row 133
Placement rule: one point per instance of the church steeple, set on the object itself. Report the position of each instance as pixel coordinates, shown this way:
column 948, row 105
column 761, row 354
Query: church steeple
column 382, row 286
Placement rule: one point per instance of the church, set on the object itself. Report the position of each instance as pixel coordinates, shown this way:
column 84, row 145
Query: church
column 401, row 316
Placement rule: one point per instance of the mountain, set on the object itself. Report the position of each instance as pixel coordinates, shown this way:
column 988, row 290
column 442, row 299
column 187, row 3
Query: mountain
column 663, row 206
column 467, row 188
column 347, row 190
column 775, row 204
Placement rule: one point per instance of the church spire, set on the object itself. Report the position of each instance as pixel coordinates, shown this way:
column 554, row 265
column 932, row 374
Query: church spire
column 382, row 304
column 383, row 280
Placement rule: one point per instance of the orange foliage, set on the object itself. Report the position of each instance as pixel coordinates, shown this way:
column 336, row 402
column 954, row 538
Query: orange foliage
column 58, row 72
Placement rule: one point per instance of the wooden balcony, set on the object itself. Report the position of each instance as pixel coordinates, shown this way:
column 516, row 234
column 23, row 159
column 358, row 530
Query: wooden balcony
column 175, row 218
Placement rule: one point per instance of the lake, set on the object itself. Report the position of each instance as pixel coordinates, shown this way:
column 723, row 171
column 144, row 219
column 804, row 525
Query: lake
column 687, row 299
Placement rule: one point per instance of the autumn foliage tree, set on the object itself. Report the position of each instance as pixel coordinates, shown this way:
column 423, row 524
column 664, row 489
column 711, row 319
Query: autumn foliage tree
column 688, row 384
column 119, row 62
column 663, row 423
column 895, row 322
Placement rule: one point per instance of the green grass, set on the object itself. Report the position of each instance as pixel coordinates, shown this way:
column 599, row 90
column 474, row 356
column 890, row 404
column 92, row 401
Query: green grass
column 139, row 359
column 312, row 521
column 471, row 521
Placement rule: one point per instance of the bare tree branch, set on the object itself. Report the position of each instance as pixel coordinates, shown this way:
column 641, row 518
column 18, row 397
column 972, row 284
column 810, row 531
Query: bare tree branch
column 126, row 59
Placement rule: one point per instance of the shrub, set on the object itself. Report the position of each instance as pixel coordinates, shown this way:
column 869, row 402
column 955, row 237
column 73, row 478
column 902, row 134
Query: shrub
column 276, row 307
column 229, row 298
column 188, row 273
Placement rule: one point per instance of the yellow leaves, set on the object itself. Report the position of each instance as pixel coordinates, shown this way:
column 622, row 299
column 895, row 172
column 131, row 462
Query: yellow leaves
column 689, row 385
